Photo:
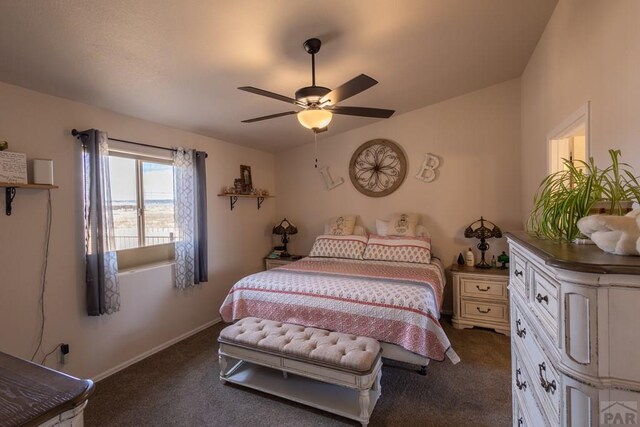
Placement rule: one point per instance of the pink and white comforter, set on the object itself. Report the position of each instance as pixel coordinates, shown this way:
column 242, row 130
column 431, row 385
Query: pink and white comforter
column 393, row 302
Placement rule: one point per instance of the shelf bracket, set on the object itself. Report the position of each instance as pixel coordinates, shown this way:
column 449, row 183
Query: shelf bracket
column 232, row 201
column 10, row 194
column 260, row 201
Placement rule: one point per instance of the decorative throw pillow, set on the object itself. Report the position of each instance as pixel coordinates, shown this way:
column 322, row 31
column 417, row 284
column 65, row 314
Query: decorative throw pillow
column 329, row 246
column 342, row 225
column 403, row 224
column 399, row 248
column 358, row 230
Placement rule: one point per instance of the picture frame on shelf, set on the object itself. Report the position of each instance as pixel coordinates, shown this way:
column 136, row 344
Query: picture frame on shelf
column 245, row 176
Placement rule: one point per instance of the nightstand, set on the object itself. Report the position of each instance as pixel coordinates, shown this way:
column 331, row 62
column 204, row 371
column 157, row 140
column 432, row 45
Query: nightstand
column 270, row 263
column 480, row 298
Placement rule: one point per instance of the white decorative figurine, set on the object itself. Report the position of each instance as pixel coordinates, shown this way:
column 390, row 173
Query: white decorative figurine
column 614, row 234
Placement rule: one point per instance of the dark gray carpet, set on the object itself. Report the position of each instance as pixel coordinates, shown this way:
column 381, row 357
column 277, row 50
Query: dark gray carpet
column 180, row 387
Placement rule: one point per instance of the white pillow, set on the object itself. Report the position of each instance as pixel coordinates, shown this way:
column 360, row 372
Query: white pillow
column 382, row 229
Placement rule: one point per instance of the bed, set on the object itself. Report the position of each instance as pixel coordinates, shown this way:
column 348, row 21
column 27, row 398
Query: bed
column 397, row 303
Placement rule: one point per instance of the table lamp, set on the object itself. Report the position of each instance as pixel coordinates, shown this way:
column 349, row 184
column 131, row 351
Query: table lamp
column 285, row 229
column 483, row 233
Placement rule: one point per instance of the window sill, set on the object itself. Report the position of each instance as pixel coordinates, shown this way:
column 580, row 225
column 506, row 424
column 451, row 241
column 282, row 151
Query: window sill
column 145, row 267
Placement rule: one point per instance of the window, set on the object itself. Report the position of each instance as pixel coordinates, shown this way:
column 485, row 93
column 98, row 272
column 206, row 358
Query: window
column 142, row 207
column 570, row 141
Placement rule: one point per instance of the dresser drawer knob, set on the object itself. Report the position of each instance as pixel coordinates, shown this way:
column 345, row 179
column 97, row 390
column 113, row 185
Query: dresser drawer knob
column 483, row 311
column 541, row 298
column 522, row 385
column 521, row 332
column 549, row 387
column 518, row 273
column 483, row 290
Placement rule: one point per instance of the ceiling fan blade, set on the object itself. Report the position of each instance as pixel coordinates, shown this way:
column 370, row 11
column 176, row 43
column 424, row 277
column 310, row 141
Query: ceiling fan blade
column 348, row 89
column 268, row 94
column 271, row 116
column 362, row 111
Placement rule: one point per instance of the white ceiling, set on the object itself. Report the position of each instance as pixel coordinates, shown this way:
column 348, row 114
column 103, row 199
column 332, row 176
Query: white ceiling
column 179, row 62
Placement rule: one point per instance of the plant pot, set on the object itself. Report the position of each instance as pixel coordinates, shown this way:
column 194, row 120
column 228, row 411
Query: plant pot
column 604, row 208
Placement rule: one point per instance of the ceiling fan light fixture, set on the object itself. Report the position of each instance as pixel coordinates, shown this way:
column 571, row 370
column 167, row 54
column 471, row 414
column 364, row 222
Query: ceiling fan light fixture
column 314, row 118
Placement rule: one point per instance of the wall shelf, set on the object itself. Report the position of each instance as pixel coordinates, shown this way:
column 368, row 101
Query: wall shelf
column 233, row 198
column 10, row 191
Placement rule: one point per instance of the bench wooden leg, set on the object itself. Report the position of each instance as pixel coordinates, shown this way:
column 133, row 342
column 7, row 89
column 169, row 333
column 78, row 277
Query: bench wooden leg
column 377, row 386
column 364, row 405
column 223, row 367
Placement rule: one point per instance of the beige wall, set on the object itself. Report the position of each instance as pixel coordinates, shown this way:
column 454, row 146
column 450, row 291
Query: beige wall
column 153, row 312
column 476, row 137
column 590, row 51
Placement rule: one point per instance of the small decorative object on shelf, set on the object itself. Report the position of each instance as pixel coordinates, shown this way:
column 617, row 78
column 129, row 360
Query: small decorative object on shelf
column 460, row 259
column 493, row 262
column 503, row 259
column 245, row 176
column 285, row 229
column 13, row 167
column 482, row 232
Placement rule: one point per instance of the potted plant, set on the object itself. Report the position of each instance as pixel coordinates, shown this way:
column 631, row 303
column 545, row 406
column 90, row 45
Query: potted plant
column 579, row 190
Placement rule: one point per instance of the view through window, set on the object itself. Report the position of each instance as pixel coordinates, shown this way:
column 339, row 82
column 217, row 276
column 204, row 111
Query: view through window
column 142, row 196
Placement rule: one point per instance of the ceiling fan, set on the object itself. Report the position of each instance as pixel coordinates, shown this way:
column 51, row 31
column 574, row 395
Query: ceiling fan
column 319, row 103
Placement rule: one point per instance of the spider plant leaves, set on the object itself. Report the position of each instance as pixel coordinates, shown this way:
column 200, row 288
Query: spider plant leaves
column 566, row 196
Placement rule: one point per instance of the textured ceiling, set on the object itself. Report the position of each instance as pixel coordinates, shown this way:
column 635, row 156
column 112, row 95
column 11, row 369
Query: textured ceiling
column 179, row 62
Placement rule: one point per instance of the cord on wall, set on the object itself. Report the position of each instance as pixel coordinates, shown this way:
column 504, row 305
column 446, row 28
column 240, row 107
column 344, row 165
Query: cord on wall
column 44, row 280
column 44, row 359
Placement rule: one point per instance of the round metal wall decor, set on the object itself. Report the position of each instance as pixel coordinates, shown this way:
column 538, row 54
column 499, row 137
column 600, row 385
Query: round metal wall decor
column 377, row 168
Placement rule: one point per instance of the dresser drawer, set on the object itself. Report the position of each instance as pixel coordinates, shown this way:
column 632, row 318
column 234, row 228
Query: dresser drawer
column 546, row 381
column 485, row 310
column 544, row 300
column 518, row 273
column 523, row 393
column 482, row 288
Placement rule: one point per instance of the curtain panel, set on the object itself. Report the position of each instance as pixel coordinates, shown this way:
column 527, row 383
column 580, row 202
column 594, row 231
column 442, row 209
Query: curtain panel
column 191, row 266
column 103, row 290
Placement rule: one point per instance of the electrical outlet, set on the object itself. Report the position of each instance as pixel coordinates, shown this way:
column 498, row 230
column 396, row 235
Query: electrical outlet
column 64, row 354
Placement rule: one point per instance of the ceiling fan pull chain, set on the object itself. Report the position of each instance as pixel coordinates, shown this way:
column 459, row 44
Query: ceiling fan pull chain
column 315, row 138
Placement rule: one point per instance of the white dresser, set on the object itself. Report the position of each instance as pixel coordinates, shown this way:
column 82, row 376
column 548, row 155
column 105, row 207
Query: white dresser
column 575, row 334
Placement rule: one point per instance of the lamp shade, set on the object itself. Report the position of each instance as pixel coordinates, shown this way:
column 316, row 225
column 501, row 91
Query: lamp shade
column 285, row 227
column 314, row 118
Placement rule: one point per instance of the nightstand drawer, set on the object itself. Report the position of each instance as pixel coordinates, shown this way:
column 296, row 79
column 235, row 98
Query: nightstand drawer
column 480, row 310
column 483, row 288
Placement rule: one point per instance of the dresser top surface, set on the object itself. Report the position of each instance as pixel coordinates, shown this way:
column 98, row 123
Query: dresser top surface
column 581, row 258
column 31, row 394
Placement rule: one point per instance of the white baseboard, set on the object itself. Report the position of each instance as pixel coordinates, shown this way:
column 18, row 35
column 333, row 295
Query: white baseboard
column 154, row 350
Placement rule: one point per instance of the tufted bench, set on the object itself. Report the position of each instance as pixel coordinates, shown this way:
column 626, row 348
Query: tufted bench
column 336, row 372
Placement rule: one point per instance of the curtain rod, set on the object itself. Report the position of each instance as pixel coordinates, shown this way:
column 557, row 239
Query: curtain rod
column 77, row 134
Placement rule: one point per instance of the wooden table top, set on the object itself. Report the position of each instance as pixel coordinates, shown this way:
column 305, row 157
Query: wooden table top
column 31, row 394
